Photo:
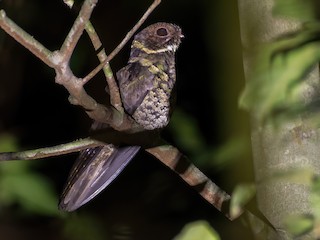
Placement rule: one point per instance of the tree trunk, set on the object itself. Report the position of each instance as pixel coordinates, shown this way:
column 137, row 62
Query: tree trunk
column 292, row 144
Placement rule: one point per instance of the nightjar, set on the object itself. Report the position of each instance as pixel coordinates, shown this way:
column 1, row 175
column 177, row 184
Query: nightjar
column 146, row 83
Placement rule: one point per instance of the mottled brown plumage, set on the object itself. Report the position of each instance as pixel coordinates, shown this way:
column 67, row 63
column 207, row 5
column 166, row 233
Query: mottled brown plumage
column 145, row 84
column 147, row 81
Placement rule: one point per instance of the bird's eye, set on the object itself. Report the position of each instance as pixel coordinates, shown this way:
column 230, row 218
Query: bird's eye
column 162, row 32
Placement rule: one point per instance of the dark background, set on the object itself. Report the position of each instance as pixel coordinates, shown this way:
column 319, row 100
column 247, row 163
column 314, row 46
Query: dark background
column 147, row 201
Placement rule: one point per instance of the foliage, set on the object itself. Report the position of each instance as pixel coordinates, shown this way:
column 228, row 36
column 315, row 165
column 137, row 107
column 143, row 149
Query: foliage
column 197, row 230
column 186, row 132
column 304, row 10
column 20, row 185
column 280, row 66
column 300, row 224
column 276, row 87
column 188, row 137
column 242, row 194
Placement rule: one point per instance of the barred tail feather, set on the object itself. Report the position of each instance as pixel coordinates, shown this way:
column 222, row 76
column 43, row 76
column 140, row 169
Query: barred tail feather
column 93, row 171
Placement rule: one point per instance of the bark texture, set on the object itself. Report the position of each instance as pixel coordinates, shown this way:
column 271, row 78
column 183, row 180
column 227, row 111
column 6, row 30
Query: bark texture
column 295, row 143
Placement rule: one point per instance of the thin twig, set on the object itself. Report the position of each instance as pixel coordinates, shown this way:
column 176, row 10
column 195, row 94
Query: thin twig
column 76, row 31
column 57, row 150
column 124, row 41
column 64, row 75
column 114, row 93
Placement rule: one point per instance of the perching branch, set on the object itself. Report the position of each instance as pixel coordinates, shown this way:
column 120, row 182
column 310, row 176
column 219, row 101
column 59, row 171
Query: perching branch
column 167, row 154
column 176, row 161
column 57, row 150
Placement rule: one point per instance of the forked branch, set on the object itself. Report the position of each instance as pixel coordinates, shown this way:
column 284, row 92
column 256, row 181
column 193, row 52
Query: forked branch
column 60, row 61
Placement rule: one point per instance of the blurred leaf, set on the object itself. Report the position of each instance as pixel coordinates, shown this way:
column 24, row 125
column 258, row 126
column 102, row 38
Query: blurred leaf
column 223, row 156
column 84, row 227
column 188, row 136
column 199, row 230
column 8, row 143
column 20, row 185
column 241, row 195
column 316, row 185
column 186, row 133
column 257, row 225
column 14, row 167
column 305, row 10
column 280, row 67
column 299, row 224
column 31, row 191
column 295, row 175
column 315, row 198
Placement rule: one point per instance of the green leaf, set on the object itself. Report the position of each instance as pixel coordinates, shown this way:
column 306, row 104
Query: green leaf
column 305, row 10
column 218, row 158
column 31, row 191
column 316, row 185
column 315, row 198
column 20, row 185
column 199, row 230
column 8, row 143
column 15, row 167
column 274, row 84
column 241, row 195
column 186, row 132
column 296, row 175
column 257, row 224
column 299, row 224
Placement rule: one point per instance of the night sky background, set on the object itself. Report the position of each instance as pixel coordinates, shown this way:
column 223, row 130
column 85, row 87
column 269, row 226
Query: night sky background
column 147, row 201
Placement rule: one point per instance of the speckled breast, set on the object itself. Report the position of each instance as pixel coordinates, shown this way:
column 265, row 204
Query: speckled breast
column 154, row 111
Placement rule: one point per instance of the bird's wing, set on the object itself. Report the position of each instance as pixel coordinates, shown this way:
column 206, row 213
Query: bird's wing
column 135, row 81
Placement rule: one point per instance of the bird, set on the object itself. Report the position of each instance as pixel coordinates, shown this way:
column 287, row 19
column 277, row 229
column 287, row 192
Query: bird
column 146, row 84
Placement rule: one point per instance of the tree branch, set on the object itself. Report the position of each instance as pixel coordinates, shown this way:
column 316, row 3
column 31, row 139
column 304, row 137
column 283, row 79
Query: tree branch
column 176, row 161
column 57, row 150
column 115, row 99
column 76, row 31
column 167, row 154
column 59, row 60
